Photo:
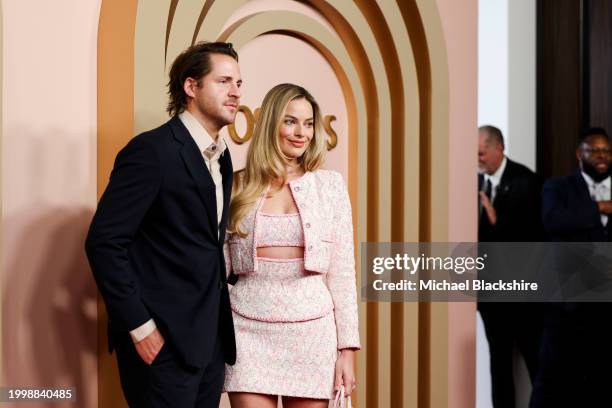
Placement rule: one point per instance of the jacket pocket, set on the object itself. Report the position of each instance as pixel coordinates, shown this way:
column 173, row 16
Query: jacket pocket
column 326, row 252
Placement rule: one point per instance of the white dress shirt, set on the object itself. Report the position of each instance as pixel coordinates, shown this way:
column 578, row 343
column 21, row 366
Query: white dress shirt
column 599, row 192
column 211, row 152
column 495, row 178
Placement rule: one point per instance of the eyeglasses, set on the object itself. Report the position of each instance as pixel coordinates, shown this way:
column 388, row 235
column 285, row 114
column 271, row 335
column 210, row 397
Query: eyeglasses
column 600, row 150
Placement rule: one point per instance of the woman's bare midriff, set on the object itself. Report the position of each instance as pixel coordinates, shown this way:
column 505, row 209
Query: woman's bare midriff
column 280, row 252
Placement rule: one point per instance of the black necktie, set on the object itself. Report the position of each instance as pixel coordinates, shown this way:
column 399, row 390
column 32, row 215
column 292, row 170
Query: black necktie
column 488, row 187
column 484, row 224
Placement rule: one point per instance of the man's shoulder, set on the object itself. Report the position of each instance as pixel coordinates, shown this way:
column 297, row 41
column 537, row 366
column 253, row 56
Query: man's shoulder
column 516, row 169
column 156, row 138
column 156, row 135
column 562, row 181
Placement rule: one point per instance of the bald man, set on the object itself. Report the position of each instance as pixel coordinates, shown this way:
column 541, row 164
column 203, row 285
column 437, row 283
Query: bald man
column 509, row 211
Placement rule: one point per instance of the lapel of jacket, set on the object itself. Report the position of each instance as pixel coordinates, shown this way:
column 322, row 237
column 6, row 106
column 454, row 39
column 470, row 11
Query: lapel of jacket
column 583, row 187
column 505, row 183
column 194, row 161
column 583, row 191
column 227, row 173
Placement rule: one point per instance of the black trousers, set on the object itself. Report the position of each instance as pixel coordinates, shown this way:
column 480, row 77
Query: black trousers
column 508, row 325
column 575, row 358
column 169, row 382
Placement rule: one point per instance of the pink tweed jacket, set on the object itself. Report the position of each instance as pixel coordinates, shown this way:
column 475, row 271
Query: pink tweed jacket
column 325, row 212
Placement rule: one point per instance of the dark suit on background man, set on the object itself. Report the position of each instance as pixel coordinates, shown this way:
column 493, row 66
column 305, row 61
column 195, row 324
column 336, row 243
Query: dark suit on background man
column 576, row 355
column 517, row 203
column 155, row 244
column 569, row 212
column 516, row 214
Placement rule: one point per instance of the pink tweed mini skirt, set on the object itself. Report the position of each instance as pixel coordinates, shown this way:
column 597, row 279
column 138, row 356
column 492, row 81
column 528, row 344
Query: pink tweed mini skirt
column 286, row 340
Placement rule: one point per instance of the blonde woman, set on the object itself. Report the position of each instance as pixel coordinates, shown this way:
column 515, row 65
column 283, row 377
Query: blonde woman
column 290, row 242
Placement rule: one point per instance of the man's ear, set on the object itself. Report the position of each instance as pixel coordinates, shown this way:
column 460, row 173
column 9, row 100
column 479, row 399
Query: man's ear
column 499, row 148
column 189, row 87
column 578, row 154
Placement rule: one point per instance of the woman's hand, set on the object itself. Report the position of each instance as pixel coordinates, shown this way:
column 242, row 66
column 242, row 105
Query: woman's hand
column 345, row 371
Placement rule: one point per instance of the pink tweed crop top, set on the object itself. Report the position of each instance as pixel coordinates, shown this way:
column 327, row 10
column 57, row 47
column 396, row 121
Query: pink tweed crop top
column 279, row 230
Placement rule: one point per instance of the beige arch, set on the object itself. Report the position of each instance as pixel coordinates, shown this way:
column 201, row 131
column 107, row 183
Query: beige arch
column 223, row 8
column 381, row 315
column 409, row 311
column 351, row 12
column 186, row 16
column 150, row 75
column 392, row 36
column 433, row 81
column 440, row 111
column 401, row 38
column 154, row 53
column 218, row 14
column 378, row 376
column 396, row 351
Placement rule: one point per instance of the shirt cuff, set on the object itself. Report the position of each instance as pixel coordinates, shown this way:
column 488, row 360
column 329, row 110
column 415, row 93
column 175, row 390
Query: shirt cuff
column 139, row 333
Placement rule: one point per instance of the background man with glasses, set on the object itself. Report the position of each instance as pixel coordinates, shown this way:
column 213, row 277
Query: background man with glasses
column 576, row 354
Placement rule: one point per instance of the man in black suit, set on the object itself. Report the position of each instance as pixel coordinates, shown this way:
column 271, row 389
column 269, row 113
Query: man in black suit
column 576, row 357
column 509, row 211
column 155, row 244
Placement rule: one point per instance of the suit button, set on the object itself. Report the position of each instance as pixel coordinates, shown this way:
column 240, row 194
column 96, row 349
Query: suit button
column 307, row 225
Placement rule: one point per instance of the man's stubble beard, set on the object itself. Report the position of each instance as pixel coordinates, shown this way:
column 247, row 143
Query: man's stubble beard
column 592, row 172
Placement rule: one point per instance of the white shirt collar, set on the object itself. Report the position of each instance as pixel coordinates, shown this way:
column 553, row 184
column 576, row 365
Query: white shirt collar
column 591, row 183
column 495, row 178
column 205, row 143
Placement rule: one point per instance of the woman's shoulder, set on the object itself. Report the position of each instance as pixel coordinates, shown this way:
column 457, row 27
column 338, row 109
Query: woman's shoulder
column 328, row 176
column 329, row 181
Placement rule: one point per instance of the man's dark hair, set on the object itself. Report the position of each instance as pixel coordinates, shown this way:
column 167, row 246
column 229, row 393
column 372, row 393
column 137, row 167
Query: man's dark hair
column 594, row 131
column 493, row 134
column 194, row 63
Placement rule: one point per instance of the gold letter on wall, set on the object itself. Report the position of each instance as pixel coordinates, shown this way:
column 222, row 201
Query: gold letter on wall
column 250, row 122
column 251, row 119
column 333, row 138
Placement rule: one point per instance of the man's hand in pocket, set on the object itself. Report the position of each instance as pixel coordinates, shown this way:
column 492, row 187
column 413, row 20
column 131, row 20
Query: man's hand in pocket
column 149, row 347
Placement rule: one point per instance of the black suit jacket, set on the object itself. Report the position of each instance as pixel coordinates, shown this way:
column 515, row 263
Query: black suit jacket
column 517, row 204
column 577, row 336
column 569, row 213
column 153, row 244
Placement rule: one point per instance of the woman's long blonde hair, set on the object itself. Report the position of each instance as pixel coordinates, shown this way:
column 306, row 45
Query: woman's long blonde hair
column 265, row 161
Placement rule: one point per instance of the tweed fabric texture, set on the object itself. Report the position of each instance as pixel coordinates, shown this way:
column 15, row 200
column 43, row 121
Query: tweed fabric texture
column 290, row 359
column 325, row 216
